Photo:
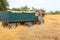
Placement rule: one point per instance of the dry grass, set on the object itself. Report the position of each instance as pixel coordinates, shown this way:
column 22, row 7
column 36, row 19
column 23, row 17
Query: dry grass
column 50, row 30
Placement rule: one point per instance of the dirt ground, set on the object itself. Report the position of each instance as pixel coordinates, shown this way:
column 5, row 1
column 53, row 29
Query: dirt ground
column 50, row 30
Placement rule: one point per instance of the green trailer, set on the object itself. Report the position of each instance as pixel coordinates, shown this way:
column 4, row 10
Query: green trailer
column 13, row 19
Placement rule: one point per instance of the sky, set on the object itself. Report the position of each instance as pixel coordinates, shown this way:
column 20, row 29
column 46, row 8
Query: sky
column 48, row 5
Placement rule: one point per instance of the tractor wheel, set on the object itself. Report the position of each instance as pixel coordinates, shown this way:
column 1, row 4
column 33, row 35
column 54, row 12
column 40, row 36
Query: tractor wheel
column 42, row 20
column 39, row 22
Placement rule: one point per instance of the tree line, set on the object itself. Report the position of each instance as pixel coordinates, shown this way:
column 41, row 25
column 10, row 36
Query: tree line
column 4, row 6
column 52, row 13
column 24, row 8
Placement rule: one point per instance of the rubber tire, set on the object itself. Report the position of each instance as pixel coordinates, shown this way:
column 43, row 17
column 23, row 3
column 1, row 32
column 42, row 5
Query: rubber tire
column 29, row 24
column 4, row 24
column 39, row 22
column 11, row 25
column 42, row 20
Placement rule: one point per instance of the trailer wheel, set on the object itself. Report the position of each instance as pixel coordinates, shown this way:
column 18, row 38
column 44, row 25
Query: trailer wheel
column 12, row 25
column 29, row 24
column 4, row 24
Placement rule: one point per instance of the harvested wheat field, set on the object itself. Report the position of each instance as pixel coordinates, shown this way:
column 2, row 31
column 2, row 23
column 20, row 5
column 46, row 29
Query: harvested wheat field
column 50, row 30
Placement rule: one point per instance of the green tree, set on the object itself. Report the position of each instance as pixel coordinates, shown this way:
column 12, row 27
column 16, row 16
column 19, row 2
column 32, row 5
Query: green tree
column 15, row 9
column 25, row 8
column 3, row 5
column 57, row 12
column 51, row 12
column 33, row 8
